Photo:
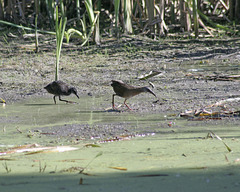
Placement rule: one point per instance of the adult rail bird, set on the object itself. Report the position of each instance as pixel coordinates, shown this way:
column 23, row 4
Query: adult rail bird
column 59, row 88
column 127, row 91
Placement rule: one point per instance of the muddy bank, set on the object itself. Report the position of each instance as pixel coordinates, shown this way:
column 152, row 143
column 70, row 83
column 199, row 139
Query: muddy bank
column 90, row 69
column 177, row 152
column 181, row 86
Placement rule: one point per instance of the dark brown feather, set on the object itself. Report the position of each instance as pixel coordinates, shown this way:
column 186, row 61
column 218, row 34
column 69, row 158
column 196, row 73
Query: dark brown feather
column 126, row 91
column 58, row 88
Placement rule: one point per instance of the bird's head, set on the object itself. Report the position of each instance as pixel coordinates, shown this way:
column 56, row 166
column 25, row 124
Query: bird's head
column 74, row 91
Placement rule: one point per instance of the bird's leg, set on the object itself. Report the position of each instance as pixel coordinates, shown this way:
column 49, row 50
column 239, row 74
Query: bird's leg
column 113, row 106
column 54, row 99
column 126, row 104
column 62, row 99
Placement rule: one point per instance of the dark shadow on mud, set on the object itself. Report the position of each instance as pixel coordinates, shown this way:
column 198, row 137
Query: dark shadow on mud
column 137, row 45
column 201, row 178
column 200, row 55
column 101, row 111
column 218, row 47
column 38, row 104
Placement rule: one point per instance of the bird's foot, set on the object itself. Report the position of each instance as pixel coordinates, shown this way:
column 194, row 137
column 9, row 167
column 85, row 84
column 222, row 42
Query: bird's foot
column 128, row 107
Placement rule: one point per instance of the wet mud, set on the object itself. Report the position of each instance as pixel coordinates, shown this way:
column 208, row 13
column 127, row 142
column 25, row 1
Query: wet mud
column 90, row 69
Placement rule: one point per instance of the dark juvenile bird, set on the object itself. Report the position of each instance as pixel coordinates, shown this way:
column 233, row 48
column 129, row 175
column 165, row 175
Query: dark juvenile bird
column 127, row 91
column 59, row 88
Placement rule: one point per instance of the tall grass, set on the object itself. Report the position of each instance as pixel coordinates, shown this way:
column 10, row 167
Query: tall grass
column 27, row 28
column 116, row 9
column 127, row 16
column 78, row 10
column 60, row 30
column 50, row 11
column 94, row 23
column 36, row 34
column 195, row 17
column 151, row 15
column 148, row 17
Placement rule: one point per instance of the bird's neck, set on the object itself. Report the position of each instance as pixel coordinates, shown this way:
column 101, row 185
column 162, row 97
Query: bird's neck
column 141, row 89
column 70, row 91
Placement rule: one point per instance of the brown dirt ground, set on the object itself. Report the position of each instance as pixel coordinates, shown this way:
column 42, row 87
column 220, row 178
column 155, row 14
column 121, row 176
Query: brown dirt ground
column 183, row 85
column 91, row 68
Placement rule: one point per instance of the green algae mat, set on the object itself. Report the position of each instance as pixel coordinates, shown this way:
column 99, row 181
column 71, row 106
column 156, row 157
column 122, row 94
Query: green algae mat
column 46, row 147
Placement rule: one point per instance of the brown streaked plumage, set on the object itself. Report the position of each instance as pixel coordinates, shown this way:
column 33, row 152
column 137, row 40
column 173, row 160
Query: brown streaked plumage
column 127, row 91
column 59, row 88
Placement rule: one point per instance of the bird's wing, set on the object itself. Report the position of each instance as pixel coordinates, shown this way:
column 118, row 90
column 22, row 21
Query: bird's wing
column 119, row 83
column 59, row 87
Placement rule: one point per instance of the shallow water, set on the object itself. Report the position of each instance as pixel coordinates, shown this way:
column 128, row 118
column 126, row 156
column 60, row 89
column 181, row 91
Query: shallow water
column 162, row 149
column 205, row 66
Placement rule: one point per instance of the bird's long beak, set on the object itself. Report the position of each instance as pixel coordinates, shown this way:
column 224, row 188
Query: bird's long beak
column 148, row 90
column 77, row 96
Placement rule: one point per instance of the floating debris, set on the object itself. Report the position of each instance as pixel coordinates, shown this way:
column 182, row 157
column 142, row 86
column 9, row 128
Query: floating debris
column 198, row 168
column 35, row 148
column 119, row 168
column 149, row 75
column 91, row 145
column 81, row 181
column 99, row 154
column 216, row 111
column 72, row 169
column 212, row 135
column 2, row 101
column 6, row 159
column 118, row 138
